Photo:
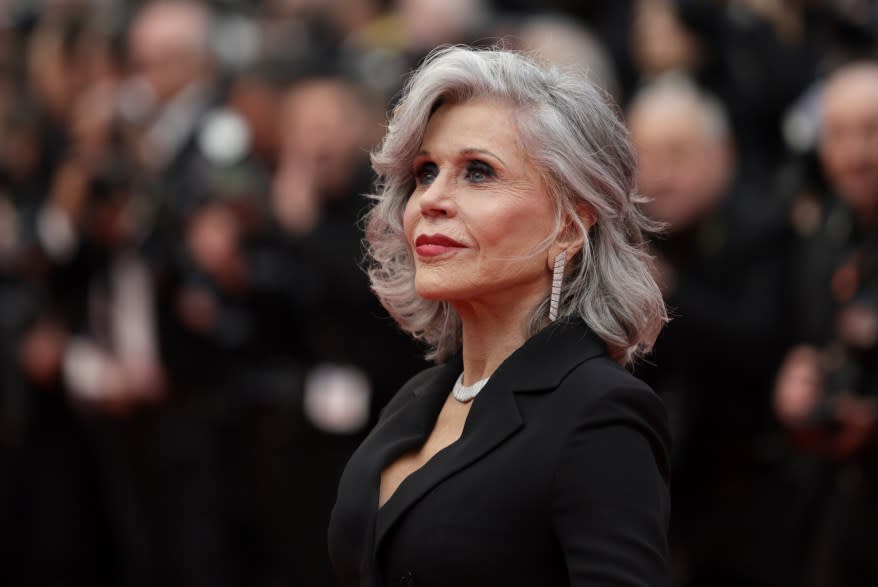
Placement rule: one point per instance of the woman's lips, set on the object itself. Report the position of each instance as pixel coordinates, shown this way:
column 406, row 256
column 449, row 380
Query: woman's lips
column 432, row 245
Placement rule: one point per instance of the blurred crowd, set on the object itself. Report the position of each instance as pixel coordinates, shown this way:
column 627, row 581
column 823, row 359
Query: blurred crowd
column 189, row 349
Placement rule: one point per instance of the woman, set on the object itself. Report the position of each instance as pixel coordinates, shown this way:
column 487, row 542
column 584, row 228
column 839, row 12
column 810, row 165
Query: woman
column 506, row 235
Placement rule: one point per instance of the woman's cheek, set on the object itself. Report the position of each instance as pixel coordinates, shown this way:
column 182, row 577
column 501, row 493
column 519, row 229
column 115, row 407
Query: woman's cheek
column 409, row 219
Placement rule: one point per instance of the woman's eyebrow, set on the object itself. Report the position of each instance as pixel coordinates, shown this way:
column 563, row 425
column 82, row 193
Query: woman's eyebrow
column 476, row 150
column 465, row 151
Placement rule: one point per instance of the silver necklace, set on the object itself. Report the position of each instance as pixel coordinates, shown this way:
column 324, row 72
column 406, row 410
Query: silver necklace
column 464, row 393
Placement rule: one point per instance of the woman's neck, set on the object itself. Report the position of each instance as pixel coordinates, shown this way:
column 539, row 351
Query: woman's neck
column 490, row 333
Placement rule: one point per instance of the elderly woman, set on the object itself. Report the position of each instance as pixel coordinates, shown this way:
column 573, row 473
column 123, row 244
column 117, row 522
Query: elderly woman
column 507, row 236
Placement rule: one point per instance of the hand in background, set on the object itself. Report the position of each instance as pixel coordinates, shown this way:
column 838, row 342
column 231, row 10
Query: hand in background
column 799, row 386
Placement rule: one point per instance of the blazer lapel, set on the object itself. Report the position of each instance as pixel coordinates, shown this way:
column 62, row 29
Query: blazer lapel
column 492, row 419
column 416, row 417
column 547, row 357
column 540, row 364
column 404, row 428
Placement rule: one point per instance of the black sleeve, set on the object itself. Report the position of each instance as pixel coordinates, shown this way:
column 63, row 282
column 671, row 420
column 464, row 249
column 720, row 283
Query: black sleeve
column 611, row 502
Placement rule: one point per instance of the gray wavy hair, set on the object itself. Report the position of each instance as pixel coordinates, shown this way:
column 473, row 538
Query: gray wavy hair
column 580, row 146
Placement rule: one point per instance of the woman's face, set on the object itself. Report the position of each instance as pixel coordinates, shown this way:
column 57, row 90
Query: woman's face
column 479, row 216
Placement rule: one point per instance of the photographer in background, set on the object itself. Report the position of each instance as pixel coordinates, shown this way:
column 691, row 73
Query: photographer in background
column 826, row 392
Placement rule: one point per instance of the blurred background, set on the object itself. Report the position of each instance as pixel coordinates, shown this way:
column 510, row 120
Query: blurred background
column 189, row 350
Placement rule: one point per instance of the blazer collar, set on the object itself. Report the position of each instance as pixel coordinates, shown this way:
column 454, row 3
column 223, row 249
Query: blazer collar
column 546, row 358
column 539, row 364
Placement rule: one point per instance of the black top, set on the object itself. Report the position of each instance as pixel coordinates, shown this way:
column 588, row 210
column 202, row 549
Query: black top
column 560, row 477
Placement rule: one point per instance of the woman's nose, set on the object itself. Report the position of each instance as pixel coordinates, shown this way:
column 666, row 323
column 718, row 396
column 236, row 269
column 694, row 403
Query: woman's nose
column 438, row 199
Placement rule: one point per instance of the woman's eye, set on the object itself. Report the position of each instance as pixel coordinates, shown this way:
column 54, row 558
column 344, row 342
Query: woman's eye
column 426, row 174
column 479, row 171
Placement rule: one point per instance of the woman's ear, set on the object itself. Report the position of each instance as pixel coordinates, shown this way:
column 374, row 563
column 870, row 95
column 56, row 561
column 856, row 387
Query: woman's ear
column 570, row 237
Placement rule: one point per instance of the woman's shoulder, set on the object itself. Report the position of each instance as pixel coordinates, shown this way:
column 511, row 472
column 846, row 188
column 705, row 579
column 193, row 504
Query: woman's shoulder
column 604, row 379
column 600, row 394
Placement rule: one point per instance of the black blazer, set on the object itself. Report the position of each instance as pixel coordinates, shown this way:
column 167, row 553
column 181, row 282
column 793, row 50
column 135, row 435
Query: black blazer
column 560, row 477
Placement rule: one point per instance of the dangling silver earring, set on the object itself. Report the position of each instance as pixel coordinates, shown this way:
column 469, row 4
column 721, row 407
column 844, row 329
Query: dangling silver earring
column 557, row 279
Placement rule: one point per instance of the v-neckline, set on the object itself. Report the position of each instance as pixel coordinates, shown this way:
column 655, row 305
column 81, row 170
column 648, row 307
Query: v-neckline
column 416, row 443
column 411, row 477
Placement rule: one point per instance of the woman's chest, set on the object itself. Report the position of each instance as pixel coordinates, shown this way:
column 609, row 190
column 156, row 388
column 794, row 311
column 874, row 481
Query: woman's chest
column 488, row 520
column 480, row 507
column 447, row 430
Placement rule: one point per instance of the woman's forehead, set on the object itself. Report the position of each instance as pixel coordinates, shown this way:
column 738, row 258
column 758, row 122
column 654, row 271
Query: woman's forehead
column 473, row 125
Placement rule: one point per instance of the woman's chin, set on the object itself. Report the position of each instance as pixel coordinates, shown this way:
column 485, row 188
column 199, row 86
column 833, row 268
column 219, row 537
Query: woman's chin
column 436, row 292
column 436, row 295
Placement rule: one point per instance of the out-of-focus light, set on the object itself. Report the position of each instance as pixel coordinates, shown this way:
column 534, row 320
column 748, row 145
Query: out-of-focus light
column 337, row 398
column 224, row 138
column 56, row 232
column 801, row 124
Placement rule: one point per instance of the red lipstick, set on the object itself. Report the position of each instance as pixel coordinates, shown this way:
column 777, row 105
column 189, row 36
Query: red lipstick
column 431, row 245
